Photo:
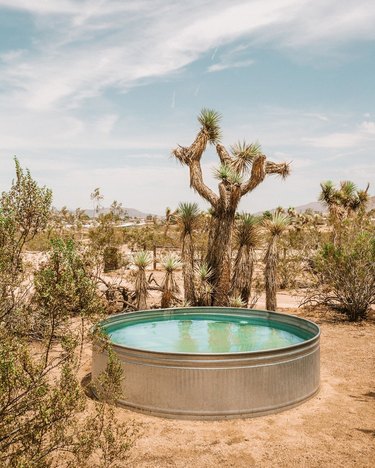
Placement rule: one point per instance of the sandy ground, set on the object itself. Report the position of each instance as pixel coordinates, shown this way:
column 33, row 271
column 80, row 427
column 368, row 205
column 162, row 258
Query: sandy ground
column 334, row 429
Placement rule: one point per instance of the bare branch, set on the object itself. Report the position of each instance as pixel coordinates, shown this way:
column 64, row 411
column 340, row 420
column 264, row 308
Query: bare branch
column 194, row 152
column 281, row 169
column 258, row 173
column 196, row 182
column 223, row 154
column 191, row 156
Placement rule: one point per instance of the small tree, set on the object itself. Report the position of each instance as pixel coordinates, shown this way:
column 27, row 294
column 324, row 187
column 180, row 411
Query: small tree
column 274, row 227
column 204, row 287
column 24, row 212
column 187, row 217
column 247, row 238
column 141, row 260
column 169, row 286
column 106, row 238
column 96, row 198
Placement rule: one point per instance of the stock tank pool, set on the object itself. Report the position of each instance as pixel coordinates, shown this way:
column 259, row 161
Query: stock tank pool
column 212, row 362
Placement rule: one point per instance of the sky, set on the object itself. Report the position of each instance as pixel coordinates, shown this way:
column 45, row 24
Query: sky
column 97, row 93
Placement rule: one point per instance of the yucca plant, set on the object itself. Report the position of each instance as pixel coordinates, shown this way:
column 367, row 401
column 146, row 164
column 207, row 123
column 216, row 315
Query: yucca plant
column 244, row 155
column 210, row 121
column 169, row 286
column 204, row 288
column 274, row 228
column 247, row 238
column 237, row 301
column 228, row 174
column 141, row 260
column 187, row 218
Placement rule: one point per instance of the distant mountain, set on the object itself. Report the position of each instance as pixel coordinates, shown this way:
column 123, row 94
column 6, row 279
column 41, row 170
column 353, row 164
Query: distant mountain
column 321, row 208
column 314, row 206
column 132, row 212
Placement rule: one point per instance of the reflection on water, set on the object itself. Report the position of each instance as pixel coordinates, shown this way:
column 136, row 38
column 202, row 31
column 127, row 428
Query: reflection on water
column 204, row 334
column 219, row 336
column 184, row 339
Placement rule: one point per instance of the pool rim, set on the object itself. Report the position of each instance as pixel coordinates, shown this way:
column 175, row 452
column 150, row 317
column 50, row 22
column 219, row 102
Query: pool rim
column 246, row 312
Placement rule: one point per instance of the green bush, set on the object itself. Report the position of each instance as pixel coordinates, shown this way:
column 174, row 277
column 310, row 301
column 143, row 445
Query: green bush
column 345, row 273
column 111, row 258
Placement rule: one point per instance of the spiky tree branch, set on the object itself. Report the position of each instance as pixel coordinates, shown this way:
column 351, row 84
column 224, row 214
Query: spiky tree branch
column 223, row 154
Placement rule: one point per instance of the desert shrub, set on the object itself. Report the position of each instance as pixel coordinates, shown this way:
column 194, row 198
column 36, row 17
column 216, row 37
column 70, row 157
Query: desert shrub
column 64, row 288
column 345, row 273
column 40, row 243
column 24, row 213
column 41, row 398
column 111, row 258
column 298, row 245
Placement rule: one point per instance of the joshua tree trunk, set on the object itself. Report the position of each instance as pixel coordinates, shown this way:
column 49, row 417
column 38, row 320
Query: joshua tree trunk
column 141, row 261
column 270, row 275
column 219, row 254
column 188, row 269
column 231, row 190
column 141, row 290
column 243, row 273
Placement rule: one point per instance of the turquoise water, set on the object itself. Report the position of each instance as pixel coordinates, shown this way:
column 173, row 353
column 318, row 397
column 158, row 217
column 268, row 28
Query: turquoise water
column 205, row 333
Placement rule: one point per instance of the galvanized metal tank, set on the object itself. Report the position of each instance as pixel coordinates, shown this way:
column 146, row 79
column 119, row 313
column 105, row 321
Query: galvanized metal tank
column 216, row 386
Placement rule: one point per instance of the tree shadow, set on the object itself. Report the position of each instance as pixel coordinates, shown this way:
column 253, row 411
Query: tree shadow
column 364, row 397
column 86, row 384
column 367, row 431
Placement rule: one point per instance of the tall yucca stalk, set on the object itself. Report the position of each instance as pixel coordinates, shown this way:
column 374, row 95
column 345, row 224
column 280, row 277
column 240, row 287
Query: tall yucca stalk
column 247, row 238
column 274, row 228
column 169, row 286
column 141, row 260
column 187, row 217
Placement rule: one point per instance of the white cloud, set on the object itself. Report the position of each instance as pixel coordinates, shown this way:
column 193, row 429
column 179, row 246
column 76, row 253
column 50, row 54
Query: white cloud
column 54, row 92
column 360, row 136
column 223, row 66
column 154, row 39
column 368, row 127
column 314, row 115
column 335, row 140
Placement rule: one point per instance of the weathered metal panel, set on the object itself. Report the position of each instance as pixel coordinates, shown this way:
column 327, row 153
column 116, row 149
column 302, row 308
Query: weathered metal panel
column 215, row 386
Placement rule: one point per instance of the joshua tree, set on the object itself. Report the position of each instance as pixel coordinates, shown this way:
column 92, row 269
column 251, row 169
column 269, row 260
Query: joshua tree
column 246, row 238
column 275, row 227
column 239, row 173
column 187, row 217
column 141, row 260
column 169, row 218
column 96, row 198
column 169, row 285
column 342, row 203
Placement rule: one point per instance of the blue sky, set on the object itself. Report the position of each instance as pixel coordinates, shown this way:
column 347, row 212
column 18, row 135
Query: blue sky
column 96, row 94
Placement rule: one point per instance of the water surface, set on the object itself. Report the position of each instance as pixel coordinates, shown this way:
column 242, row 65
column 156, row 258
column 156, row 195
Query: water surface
column 205, row 333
